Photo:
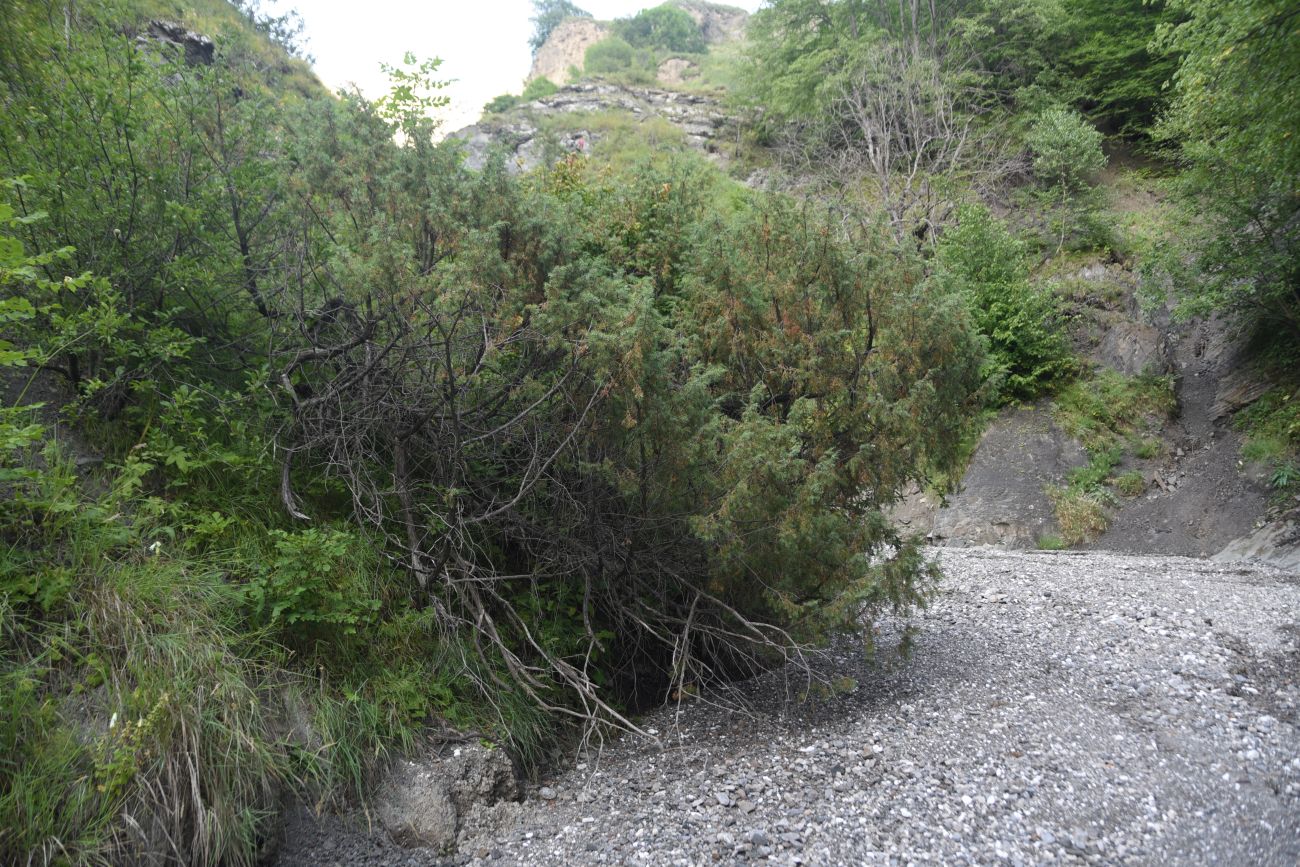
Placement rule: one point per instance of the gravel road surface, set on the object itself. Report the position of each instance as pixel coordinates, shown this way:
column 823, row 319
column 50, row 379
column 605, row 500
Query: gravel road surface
column 1057, row 708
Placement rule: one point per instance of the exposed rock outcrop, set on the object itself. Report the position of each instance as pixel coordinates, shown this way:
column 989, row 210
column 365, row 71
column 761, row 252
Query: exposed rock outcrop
column 519, row 131
column 197, row 49
column 1203, row 497
column 437, row 801
column 566, row 47
column 1109, row 327
column 1275, row 544
column 1003, row 500
column 1132, row 348
column 1198, row 496
column 673, row 70
column 717, row 23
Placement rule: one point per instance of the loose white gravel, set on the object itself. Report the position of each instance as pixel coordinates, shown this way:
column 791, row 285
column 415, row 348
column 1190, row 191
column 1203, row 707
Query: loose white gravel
column 1057, row 708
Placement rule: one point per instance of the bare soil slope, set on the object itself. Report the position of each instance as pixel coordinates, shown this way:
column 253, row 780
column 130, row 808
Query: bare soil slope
column 1204, row 497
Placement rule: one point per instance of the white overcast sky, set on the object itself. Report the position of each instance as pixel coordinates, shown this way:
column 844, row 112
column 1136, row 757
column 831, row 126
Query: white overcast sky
column 483, row 43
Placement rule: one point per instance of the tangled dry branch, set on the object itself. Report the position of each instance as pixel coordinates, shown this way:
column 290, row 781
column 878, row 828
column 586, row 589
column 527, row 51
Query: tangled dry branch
column 470, row 444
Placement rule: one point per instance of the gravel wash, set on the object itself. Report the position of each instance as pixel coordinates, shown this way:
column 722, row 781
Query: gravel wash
column 1057, row 708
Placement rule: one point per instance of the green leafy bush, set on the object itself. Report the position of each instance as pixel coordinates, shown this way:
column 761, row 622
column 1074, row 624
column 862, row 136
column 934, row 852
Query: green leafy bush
column 613, row 57
column 1067, row 155
column 502, row 103
column 979, row 259
column 609, row 55
column 311, row 582
column 1066, row 148
column 657, row 358
column 539, row 88
column 666, row 27
column 1272, row 427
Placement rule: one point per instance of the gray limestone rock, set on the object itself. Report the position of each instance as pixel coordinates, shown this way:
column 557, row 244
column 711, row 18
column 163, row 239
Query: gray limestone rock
column 518, row 132
column 1275, row 544
column 1003, row 500
column 1132, row 348
column 429, row 801
column 414, row 805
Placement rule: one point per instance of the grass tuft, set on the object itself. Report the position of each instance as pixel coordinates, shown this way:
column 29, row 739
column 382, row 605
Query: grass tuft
column 1051, row 542
column 1081, row 515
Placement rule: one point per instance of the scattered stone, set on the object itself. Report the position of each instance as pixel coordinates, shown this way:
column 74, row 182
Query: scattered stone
column 423, row 802
column 1096, row 694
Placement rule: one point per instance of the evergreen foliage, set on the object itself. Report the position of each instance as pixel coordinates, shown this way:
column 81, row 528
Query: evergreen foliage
column 1067, row 156
column 979, row 258
column 566, row 443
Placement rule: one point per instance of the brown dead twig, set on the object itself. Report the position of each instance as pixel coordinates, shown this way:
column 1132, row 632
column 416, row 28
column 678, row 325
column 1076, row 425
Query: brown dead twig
column 906, row 134
column 470, row 444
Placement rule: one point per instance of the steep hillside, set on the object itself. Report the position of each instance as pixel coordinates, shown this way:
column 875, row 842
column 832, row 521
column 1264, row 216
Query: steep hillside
column 1154, row 466
column 598, row 119
column 247, row 35
column 352, row 475
column 637, row 101
column 565, row 49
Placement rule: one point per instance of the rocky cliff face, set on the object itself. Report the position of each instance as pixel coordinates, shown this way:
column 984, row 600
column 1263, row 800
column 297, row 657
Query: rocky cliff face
column 170, row 37
column 522, row 131
column 565, row 47
column 717, row 23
